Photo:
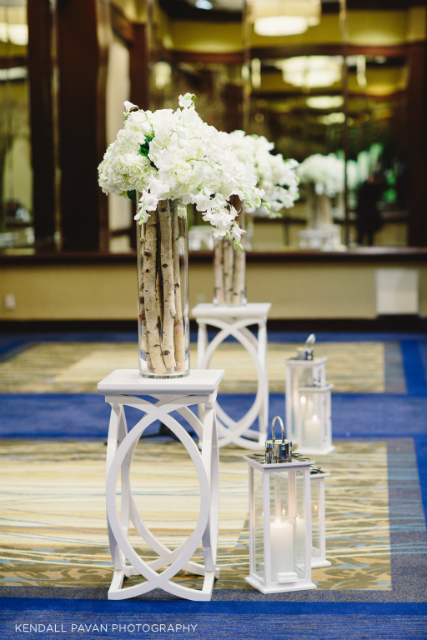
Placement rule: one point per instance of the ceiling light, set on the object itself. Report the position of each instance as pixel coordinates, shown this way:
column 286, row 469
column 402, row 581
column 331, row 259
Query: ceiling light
column 325, row 102
column 203, row 4
column 283, row 17
column 281, row 25
column 14, row 33
column 311, row 71
column 361, row 71
column 266, row 8
column 256, row 72
column 332, row 118
column 13, row 73
column 162, row 74
column 312, row 79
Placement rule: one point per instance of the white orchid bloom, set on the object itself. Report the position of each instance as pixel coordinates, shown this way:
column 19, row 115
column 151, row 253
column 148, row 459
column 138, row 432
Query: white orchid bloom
column 129, row 106
column 185, row 102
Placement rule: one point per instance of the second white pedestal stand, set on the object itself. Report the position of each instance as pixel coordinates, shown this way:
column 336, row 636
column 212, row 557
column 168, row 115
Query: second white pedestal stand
column 175, row 394
column 235, row 321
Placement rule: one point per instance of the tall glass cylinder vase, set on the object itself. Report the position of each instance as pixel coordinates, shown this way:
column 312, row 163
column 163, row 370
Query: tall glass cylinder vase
column 230, row 271
column 163, row 316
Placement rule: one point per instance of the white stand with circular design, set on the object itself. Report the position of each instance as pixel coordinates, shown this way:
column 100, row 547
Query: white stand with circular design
column 121, row 389
column 235, row 321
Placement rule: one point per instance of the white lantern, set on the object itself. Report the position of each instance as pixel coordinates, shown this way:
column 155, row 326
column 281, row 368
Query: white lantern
column 279, row 523
column 313, row 425
column 318, row 544
column 300, row 372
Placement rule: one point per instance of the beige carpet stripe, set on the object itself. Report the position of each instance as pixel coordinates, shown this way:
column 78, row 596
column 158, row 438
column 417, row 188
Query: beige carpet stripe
column 77, row 368
column 52, row 506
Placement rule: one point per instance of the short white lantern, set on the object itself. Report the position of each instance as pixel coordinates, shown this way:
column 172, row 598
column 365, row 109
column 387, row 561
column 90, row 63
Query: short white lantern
column 314, row 426
column 318, row 543
column 279, row 524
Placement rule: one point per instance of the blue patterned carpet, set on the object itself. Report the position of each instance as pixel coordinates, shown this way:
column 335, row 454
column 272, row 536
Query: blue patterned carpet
column 399, row 614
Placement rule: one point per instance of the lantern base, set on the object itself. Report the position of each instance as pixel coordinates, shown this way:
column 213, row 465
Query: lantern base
column 316, row 563
column 298, row 585
column 315, row 451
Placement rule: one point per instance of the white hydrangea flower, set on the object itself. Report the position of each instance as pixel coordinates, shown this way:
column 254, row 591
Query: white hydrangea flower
column 326, row 173
column 275, row 176
column 174, row 155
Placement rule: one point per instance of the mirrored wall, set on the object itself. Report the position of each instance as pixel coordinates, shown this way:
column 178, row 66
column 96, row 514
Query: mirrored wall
column 15, row 146
column 319, row 78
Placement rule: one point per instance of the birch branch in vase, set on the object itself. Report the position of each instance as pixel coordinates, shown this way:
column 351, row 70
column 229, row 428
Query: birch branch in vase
column 179, row 323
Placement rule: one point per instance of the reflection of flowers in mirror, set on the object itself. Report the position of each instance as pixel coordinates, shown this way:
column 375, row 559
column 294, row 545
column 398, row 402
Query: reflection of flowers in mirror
column 325, row 172
column 275, row 175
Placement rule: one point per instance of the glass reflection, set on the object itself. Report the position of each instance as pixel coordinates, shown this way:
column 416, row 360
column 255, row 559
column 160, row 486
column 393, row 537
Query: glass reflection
column 15, row 148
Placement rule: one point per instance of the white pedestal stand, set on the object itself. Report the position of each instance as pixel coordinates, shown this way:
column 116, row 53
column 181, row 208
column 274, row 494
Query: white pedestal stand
column 295, row 370
column 326, row 238
column 234, row 321
column 174, row 394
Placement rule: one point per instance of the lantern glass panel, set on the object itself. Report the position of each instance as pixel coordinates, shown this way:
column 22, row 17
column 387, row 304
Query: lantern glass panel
column 259, row 525
column 300, row 524
column 300, row 378
column 282, row 520
column 313, row 409
column 315, row 519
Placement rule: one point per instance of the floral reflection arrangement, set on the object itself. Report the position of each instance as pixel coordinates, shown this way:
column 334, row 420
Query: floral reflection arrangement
column 164, row 161
column 277, row 178
column 324, row 177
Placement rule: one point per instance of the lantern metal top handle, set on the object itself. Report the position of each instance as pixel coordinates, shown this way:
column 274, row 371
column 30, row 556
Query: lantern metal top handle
column 281, row 426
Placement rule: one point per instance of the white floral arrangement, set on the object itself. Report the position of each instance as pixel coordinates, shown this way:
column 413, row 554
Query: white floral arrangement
column 174, row 155
column 275, row 176
column 326, row 173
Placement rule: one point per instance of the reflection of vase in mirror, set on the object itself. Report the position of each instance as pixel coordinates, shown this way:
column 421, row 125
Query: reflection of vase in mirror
column 325, row 209
column 321, row 232
column 319, row 208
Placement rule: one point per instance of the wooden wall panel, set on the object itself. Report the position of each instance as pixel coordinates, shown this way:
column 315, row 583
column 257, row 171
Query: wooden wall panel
column 83, row 34
column 417, row 144
column 41, row 119
column 139, row 67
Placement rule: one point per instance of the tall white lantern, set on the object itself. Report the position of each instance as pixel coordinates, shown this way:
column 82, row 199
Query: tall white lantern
column 300, row 372
column 318, row 543
column 279, row 525
column 313, row 424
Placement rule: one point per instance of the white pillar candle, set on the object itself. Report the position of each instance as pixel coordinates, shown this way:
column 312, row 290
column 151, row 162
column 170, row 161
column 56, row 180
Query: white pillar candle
column 282, row 548
column 313, row 434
